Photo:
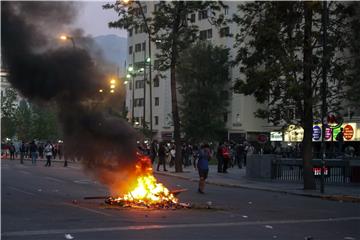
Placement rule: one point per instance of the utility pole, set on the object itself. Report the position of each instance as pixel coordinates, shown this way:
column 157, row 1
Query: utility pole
column 133, row 90
column 323, row 90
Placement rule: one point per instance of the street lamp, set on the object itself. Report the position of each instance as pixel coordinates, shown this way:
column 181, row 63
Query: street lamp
column 67, row 37
column 148, row 60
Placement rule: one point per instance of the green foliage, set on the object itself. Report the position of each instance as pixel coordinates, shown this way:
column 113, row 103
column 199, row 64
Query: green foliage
column 8, row 108
column 270, row 48
column 23, row 118
column 203, row 74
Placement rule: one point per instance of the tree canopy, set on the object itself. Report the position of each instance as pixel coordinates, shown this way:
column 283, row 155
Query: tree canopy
column 203, row 74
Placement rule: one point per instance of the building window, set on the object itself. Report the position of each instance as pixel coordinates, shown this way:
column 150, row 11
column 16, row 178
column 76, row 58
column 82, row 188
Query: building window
column 226, row 10
column 139, row 84
column 209, row 33
column 156, row 82
column 136, row 29
column 130, row 50
column 203, row 14
column 205, row 34
column 130, row 32
column 157, row 101
column 192, row 18
column 156, row 120
column 156, row 64
column 156, row 7
column 224, row 32
column 138, row 47
column 143, row 46
column 138, row 102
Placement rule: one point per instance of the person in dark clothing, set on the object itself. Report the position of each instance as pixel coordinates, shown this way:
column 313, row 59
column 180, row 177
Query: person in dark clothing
column 162, row 157
column 340, row 140
column 195, row 154
column 22, row 152
column 33, row 152
column 203, row 165
column 219, row 158
column 239, row 156
column 153, row 151
column 12, row 151
column 41, row 150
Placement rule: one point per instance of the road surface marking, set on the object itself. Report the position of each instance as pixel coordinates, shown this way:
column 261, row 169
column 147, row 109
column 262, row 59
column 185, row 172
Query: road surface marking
column 87, row 209
column 22, row 191
column 172, row 226
column 54, row 179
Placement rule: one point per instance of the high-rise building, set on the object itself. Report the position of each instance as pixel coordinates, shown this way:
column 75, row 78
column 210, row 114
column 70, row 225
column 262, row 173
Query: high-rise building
column 240, row 119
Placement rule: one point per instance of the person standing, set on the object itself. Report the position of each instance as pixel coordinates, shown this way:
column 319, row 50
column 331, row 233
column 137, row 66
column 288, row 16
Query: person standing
column 12, row 151
column 22, row 152
column 240, row 151
column 340, row 140
column 219, row 157
column 162, row 156
column 153, row 151
column 203, row 166
column 48, row 153
column 41, row 150
column 33, row 152
column 225, row 151
column 172, row 155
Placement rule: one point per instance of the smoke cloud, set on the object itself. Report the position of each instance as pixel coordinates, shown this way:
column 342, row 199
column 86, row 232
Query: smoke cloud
column 45, row 71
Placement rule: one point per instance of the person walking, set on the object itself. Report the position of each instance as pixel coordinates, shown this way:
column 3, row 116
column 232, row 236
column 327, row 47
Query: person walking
column 48, row 153
column 203, row 166
column 33, row 152
column 22, row 152
column 162, row 157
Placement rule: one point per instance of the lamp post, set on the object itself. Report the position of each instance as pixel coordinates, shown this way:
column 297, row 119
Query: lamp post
column 323, row 90
column 67, row 37
column 148, row 60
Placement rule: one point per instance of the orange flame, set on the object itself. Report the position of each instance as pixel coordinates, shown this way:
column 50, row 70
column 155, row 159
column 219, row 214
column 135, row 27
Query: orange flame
column 147, row 190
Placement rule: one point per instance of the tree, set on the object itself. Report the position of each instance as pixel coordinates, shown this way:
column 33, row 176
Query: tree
column 23, row 118
column 203, row 74
column 280, row 56
column 170, row 28
column 8, row 107
column 44, row 123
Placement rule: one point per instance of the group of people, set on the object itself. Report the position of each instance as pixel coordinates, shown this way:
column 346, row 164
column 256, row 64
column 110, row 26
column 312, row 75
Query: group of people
column 227, row 155
column 33, row 150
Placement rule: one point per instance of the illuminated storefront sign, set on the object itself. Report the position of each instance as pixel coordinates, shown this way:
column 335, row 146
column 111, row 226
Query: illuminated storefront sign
column 296, row 134
column 276, row 136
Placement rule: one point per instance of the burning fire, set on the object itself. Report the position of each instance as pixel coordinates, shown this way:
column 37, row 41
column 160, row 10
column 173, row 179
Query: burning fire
column 147, row 192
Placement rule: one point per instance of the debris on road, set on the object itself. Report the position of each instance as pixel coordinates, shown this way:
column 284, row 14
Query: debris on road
column 244, row 216
column 269, row 226
column 68, row 236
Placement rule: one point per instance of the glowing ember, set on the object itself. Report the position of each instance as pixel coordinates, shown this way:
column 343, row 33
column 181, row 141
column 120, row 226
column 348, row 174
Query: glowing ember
column 147, row 191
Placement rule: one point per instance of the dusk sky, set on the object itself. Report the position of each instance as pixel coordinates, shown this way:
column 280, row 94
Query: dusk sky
column 93, row 19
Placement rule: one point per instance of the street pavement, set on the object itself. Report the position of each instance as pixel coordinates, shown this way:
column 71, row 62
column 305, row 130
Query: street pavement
column 237, row 178
column 47, row 203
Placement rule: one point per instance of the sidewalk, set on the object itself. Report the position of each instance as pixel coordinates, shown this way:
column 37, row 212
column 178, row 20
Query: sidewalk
column 236, row 178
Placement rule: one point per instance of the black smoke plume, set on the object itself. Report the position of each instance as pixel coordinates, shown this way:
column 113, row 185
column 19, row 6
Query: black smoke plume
column 68, row 76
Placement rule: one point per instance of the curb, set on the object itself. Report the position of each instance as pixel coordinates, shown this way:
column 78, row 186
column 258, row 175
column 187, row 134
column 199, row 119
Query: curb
column 343, row 198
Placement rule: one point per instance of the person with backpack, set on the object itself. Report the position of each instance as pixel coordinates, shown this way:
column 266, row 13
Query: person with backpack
column 48, row 153
column 204, row 155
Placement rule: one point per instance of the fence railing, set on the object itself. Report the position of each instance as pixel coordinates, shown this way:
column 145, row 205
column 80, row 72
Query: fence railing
column 335, row 171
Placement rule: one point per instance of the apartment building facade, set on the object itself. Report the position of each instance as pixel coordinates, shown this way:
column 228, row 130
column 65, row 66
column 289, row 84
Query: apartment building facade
column 240, row 119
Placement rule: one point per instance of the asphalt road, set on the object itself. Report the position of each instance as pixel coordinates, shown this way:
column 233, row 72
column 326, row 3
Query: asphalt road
column 38, row 203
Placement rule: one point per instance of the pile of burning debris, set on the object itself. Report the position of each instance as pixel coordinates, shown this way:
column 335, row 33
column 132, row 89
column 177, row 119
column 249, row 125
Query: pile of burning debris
column 147, row 193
